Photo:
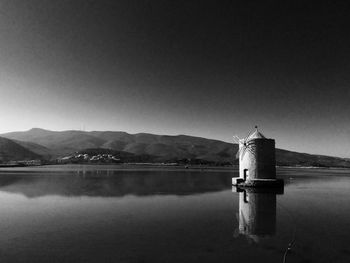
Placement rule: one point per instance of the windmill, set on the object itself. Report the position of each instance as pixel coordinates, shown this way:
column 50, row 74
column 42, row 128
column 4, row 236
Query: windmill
column 257, row 161
column 245, row 144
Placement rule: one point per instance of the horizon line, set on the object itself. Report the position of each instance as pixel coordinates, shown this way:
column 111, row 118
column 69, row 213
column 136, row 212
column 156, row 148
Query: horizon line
column 4, row 133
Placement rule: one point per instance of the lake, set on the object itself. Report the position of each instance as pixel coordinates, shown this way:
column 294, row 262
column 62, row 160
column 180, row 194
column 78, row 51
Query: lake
column 109, row 214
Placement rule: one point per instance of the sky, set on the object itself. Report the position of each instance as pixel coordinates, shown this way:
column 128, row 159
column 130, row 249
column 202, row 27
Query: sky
column 212, row 69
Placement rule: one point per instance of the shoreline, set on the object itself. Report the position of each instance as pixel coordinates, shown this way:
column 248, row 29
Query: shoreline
column 82, row 168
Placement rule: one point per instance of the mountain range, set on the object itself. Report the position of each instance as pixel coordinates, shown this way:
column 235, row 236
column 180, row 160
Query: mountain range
column 48, row 145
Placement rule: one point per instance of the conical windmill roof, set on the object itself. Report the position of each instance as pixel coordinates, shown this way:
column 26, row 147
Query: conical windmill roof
column 256, row 135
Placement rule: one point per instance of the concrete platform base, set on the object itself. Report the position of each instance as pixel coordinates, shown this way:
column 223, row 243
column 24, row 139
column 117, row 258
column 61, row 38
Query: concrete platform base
column 258, row 182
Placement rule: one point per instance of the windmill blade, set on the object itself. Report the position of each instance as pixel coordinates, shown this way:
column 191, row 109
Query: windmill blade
column 243, row 152
column 242, row 147
column 238, row 154
column 240, row 150
column 236, row 139
column 251, row 147
column 246, row 139
column 251, row 151
column 250, row 142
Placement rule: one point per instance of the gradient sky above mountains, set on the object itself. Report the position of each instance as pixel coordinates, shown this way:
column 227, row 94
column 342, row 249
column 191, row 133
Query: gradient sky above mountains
column 200, row 68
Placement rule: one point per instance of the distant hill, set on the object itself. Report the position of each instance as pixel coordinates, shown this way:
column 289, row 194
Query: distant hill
column 288, row 158
column 10, row 150
column 59, row 143
column 158, row 148
column 40, row 150
column 162, row 147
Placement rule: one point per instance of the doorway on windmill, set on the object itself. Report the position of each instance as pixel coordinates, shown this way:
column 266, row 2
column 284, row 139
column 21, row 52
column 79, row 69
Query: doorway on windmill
column 245, row 174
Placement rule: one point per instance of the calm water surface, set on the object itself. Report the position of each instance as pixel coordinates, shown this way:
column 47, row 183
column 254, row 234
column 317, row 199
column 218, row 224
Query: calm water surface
column 89, row 214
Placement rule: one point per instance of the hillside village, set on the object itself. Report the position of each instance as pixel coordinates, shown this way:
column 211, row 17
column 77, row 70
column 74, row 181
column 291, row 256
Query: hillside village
column 86, row 158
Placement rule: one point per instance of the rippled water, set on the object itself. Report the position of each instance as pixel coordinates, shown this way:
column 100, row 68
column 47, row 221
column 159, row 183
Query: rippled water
column 89, row 214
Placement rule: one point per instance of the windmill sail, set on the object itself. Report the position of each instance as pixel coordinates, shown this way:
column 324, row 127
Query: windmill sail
column 244, row 144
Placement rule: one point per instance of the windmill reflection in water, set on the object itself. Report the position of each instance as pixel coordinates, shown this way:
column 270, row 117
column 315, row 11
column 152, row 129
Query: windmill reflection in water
column 257, row 212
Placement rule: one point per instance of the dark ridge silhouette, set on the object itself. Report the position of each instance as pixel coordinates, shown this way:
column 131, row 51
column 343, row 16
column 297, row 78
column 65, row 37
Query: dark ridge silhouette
column 10, row 150
column 157, row 148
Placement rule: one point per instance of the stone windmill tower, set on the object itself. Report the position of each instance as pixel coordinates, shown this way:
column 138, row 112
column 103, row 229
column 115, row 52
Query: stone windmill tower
column 257, row 161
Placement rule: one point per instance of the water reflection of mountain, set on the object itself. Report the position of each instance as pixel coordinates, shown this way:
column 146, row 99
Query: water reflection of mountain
column 128, row 183
column 257, row 213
